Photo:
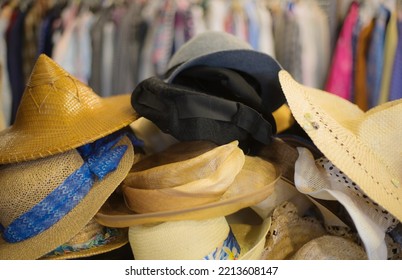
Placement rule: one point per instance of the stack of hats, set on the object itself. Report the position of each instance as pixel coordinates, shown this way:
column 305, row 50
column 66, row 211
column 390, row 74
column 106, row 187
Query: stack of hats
column 67, row 151
column 217, row 88
column 180, row 203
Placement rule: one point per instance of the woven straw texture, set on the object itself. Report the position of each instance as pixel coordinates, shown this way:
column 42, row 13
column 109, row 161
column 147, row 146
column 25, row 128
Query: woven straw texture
column 330, row 247
column 225, row 189
column 58, row 113
column 364, row 145
column 25, row 184
column 289, row 232
column 164, row 241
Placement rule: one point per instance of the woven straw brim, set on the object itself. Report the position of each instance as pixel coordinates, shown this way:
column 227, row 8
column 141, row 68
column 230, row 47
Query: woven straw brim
column 241, row 194
column 334, row 125
column 42, row 137
column 67, row 227
column 120, row 241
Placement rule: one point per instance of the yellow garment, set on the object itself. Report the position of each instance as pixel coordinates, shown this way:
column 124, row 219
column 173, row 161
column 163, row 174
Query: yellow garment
column 391, row 40
column 360, row 82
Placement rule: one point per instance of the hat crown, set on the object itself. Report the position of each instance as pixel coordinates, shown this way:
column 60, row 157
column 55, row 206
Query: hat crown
column 206, row 43
column 53, row 97
column 27, row 183
column 45, row 71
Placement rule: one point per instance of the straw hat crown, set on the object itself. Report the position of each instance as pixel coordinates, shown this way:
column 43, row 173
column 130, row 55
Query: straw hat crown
column 59, row 113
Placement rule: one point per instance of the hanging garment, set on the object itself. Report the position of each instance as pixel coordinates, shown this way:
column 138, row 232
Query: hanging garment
column 360, row 66
column 14, row 59
column 375, row 59
column 5, row 90
column 266, row 36
column 391, row 41
column 129, row 41
column 395, row 91
column 339, row 80
column 287, row 42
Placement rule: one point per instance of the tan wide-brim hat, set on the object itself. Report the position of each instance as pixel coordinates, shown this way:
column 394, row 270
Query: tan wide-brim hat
column 58, row 113
column 364, row 145
column 25, row 184
column 190, row 181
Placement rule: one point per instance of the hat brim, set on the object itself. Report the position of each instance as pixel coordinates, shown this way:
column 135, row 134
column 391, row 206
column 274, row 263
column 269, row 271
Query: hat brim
column 67, row 227
column 329, row 121
column 251, row 238
column 119, row 242
column 115, row 213
column 31, row 142
column 259, row 65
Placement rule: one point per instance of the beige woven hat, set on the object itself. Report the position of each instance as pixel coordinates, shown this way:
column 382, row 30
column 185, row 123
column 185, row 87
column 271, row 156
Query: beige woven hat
column 364, row 145
column 329, row 247
column 289, row 232
column 221, row 238
column 58, row 113
column 93, row 239
column 190, row 181
column 53, row 184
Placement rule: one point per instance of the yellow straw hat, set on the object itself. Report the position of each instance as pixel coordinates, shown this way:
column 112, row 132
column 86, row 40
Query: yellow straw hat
column 46, row 202
column 58, row 113
column 190, row 181
column 364, row 145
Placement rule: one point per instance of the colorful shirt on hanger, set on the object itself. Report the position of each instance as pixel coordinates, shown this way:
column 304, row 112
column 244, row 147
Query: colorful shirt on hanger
column 339, row 80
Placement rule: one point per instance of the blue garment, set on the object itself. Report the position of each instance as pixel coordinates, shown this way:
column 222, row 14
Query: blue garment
column 395, row 91
column 375, row 59
column 15, row 62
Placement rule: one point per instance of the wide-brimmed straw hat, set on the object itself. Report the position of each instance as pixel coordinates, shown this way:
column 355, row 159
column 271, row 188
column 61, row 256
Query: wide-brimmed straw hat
column 46, row 202
column 190, row 181
column 238, row 236
column 364, row 145
column 58, row 113
column 93, row 239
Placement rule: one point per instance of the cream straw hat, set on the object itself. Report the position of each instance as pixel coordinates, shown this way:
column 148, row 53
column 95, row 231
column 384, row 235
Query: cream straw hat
column 65, row 185
column 217, row 238
column 58, row 113
column 190, row 181
column 364, row 145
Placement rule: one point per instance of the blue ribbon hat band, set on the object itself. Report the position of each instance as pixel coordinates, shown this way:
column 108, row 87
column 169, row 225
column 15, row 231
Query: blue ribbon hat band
column 100, row 159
